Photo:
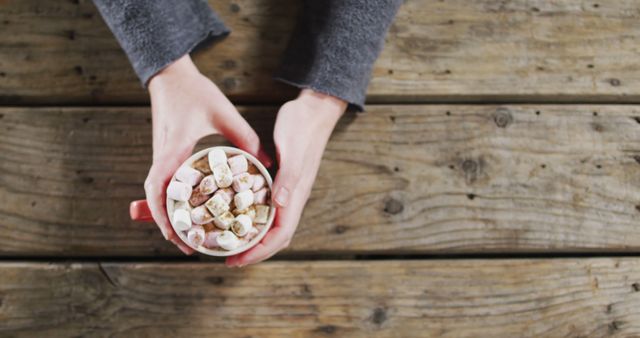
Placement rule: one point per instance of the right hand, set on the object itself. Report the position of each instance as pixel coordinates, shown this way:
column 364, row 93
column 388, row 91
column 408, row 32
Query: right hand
column 187, row 106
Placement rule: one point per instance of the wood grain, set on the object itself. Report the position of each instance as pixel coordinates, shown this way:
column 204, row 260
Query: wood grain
column 397, row 179
column 459, row 298
column 523, row 50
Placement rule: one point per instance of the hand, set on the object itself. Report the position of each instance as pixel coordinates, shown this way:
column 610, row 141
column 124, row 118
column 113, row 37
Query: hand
column 187, row 106
column 302, row 129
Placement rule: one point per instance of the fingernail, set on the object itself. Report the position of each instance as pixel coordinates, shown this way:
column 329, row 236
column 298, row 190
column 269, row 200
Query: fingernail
column 265, row 158
column 282, row 197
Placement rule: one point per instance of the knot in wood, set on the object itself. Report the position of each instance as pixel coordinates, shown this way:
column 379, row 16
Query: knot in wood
column 502, row 119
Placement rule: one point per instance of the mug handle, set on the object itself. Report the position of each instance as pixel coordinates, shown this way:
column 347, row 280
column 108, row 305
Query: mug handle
column 139, row 211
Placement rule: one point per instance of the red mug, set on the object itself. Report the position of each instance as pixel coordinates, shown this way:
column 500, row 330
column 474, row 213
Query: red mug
column 139, row 210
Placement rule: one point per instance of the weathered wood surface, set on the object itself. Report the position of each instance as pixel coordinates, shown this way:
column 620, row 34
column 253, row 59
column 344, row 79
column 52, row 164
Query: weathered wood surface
column 398, row 179
column 62, row 52
column 459, row 298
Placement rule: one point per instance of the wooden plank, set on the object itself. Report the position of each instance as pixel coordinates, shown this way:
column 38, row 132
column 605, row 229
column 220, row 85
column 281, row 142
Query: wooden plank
column 398, row 179
column 523, row 50
column 459, row 298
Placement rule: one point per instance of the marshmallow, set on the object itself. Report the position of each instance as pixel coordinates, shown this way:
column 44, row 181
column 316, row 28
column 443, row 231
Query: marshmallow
column 208, row 185
column 250, row 211
column 241, row 225
column 210, row 239
column 182, row 205
column 216, row 157
column 227, row 240
column 188, row 175
column 223, row 175
column 253, row 232
column 202, row 165
column 217, row 205
column 238, row 164
column 195, row 236
column 243, row 199
column 179, row 191
column 262, row 214
column 197, row 197
column 258, row 182
column 260, row 196
column 201, row 215
column 226, row 193
column 181, row 220
column 242, row 182
column 224, row 221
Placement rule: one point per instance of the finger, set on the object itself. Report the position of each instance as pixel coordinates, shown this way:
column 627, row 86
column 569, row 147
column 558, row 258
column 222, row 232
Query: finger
column 182, row 246
column 277, row 238
column 238, row 131
column 156, row 185
column 286, row 179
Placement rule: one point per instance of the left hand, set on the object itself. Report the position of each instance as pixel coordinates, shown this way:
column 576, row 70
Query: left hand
column 302, row 129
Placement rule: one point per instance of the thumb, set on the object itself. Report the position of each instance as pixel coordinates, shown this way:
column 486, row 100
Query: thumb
column 238, row 131
column 286, row 181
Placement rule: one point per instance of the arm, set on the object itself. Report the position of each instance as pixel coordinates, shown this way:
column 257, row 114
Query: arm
column 330, row 56
column 157, row 36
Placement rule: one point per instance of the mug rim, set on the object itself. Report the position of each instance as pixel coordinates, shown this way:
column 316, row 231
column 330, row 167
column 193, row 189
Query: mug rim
column 272, row 210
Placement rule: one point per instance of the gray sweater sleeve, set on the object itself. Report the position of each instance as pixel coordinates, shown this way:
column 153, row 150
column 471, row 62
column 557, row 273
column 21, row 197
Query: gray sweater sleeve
column 154, row 33
column 335, row 45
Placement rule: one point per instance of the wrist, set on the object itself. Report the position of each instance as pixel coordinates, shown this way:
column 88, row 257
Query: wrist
column 179, row 69
column 331, row 106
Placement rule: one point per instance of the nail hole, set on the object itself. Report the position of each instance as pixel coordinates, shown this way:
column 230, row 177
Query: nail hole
column 396, row 169
column 537, row 112
column 589, row 66
column 448, row 113
column 543, row 166
column 635, row 287
column 595, row 113
column 596, row 5
column 598, row 166
column 614, row 82
column 471, row 196
column 452, row 166
column 390, row 72
column 392, row 118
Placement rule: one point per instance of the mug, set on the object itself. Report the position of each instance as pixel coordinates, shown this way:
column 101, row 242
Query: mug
column 139, row 210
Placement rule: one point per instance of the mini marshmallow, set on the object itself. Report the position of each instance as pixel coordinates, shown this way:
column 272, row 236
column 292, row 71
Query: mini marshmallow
column 250, row 211
column 188, row 175
column 216, row 157
column 258, row 182
column 179, row 191
column 210, row 239
column 224, row 221
column 223, row 175
column 227, row 240
column 181, row 220
column 241, row 225
column 217, row 205
column 243, row 199
column 226, row 194
column 260, row 196
column 262, row 214
column 197, row 197
column 182, row 205
column 195, row 236
column 242, row 182
column 202, row 165
column 253, row 232
column 201, row 215
column 238, row 164
column 208, row 185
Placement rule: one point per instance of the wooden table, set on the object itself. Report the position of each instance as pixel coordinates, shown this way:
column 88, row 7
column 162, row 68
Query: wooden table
column 492, row 188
